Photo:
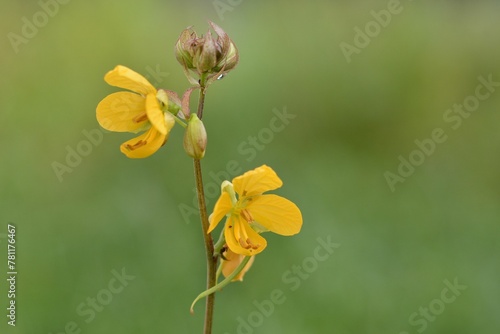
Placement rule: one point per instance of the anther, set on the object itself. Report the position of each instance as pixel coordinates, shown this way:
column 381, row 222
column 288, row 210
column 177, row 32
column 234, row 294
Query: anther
column 140, row 118
column 244, row 244
column 140, row 143
column 251, row 245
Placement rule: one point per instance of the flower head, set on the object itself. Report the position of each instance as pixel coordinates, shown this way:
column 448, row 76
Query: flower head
column 206, row 54
column 135, row 111
column 253, row 212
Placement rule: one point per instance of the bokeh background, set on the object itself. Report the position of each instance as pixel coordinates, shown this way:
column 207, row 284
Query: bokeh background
column 350, row 123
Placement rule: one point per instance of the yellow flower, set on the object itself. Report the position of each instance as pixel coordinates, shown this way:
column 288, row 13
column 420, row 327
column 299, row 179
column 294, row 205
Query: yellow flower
column 252, row 212
column 232, row 261
column 135, row 111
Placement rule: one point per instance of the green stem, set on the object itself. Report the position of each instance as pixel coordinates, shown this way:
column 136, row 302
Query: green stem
column 220, row 243
column 180, row 121
column 209, row 244
column 201, row 101
column 209, row 248
column 219, row 271
column 226, row 281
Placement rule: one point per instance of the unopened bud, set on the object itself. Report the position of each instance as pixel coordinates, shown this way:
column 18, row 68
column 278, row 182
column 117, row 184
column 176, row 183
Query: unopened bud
column 207, row 56
column 183, row 48
column 231, row 60
column 195, row 138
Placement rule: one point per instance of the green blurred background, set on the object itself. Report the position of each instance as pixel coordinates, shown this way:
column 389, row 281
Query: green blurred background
column 352, row 121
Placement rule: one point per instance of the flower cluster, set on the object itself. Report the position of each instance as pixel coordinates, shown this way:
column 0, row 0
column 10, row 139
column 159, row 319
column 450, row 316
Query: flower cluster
column 145, row 109
column 248, row 212
column 206, row 55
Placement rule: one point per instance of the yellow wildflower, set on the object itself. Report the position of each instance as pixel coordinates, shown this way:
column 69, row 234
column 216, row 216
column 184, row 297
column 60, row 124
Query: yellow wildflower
column 135, row 111
column 252, row 212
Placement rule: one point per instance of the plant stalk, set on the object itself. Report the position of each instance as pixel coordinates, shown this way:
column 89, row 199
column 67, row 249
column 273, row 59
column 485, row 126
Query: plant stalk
column 207, row 237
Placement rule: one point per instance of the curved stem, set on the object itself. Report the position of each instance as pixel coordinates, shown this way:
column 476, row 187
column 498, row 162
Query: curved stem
column 180, row 121
column 207, row 237
column 222, row 284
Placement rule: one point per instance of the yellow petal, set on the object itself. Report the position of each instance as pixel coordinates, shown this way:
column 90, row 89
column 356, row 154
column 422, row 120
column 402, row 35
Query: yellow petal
column 155, row 114
column 241, row 238
column 121, row 112
column 276, row 213
column 124, row 77
column 144, row 145
column 221, row 208
column 257, row 181
column 232, row 262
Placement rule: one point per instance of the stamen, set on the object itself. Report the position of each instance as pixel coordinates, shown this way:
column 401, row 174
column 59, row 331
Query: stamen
column 252, row 245
column 140, row 118
column 241, row 235
column 247, row 215
column 140, row 143
column 244, row 244
column 147, row 138
column 237, row 233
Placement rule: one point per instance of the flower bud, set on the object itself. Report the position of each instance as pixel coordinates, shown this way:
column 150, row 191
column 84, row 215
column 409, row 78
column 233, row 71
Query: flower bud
column 206, row 55
column 231, row 60
column 195, row 138
column 183, row 48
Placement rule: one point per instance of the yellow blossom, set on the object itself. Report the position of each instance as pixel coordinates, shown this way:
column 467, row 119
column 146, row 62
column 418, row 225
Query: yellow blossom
column 231, row 261
column 252, row 212
column 134, row 112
